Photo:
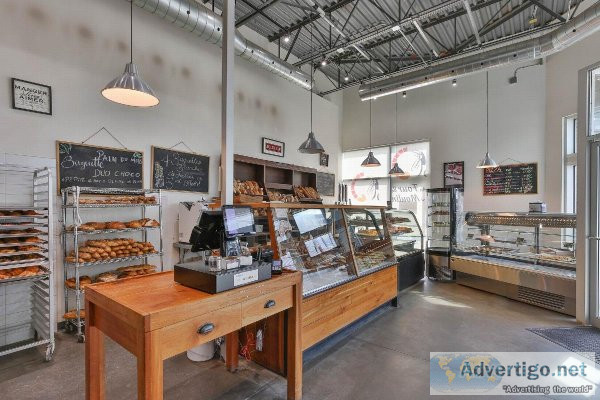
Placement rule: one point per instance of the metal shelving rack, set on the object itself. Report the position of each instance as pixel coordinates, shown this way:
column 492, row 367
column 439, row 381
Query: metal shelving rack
column 42, row 314
column 71, row 208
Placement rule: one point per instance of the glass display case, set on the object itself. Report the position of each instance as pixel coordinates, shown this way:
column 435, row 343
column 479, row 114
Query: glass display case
column 370, row 239
column 331, row 246
column 405, row 232
column 443, row 207
column 532, row 255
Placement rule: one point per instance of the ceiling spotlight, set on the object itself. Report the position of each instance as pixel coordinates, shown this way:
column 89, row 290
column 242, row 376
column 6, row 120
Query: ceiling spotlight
column 395, row 28
column 404, row 94
column 324, row 62
column 286, row 39
column 346, row 78
column 454, row 83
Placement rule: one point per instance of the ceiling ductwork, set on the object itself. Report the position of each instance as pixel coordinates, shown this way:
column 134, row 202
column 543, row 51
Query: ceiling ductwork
column 585, row 24
column 207, row 25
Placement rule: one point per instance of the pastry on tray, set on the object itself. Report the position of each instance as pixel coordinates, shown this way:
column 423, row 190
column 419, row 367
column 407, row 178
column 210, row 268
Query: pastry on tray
column 83, row 282
column 73, row 314
column 20, row 272
column 107, row 277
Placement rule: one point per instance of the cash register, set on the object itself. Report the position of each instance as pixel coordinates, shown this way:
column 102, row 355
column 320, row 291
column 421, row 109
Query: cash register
column 229, row 265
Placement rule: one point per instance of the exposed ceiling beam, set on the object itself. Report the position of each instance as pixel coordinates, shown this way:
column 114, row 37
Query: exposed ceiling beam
column 426, row 39
column 375, row 38
column 491, row 25
column 244, row 20
column 549, row 10
column 293, row 44
column 308, row 19
column 257, row 10
column 472, row 21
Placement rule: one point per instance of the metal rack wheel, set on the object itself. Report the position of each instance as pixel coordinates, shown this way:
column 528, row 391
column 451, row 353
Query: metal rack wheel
column 81, row 338
column 49, row 352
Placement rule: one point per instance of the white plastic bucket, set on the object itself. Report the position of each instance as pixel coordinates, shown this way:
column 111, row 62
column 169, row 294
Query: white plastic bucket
column 204, row 352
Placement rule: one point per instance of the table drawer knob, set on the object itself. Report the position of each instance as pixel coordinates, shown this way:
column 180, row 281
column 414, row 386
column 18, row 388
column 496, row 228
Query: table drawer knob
column 206, row 329
column 270, row 303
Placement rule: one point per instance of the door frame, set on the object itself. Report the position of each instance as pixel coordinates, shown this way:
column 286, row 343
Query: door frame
column 587, row 286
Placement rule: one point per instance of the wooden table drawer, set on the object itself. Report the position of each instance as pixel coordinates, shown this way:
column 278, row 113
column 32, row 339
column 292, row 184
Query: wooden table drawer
column 266, row 305
column 184, row 335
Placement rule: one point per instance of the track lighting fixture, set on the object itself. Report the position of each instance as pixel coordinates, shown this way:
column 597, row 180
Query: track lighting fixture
column 404, row 94
column 454, row 83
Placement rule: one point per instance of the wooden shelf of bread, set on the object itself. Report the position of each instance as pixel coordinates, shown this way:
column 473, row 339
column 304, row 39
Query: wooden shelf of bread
column 247, row 192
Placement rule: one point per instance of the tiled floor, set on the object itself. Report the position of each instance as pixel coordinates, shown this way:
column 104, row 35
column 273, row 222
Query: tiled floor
column 386, row 359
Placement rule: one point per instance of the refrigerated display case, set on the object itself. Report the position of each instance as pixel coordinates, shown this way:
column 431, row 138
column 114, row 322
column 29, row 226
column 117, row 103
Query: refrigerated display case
column 444, row 205
column 528, row 257
column 407, row 241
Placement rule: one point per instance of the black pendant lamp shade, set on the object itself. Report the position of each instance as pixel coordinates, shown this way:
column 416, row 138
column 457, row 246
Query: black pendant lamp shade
column 371, row 161
column 396, row 170
column 129, row 88
column 311, row 145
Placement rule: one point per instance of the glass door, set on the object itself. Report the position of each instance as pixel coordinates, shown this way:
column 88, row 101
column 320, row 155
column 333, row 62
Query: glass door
column 591, row 105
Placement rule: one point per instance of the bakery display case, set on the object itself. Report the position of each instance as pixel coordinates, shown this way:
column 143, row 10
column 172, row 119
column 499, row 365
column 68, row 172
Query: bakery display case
column 443, row 207
column 407, row 241
column 525, row 256
column 107, row 234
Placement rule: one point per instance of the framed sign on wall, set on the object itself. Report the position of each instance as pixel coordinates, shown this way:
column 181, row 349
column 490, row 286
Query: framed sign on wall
column 273, row 147
column 324, row 160
column 31, row 96
column 454, row 174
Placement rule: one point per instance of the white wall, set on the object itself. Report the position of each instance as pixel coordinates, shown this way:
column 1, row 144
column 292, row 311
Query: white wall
column 453, row 118
column 77, row 46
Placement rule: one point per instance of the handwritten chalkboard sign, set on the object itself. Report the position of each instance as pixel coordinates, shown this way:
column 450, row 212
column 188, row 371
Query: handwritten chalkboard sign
column 326, row 184
column 98, row 167
column 177, row 170
column 511, row 179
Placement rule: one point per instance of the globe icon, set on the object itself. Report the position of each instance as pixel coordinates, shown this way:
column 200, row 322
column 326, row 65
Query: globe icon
column 448, row 372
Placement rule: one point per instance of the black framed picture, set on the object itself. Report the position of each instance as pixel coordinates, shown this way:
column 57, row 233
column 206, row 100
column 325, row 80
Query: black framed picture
column 31, row 96
column 273, row 147
column 454, row 174
column 324, row 160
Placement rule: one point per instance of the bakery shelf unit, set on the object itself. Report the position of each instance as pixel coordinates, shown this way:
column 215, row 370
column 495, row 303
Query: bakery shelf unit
column 81, row 206
column 27, row 311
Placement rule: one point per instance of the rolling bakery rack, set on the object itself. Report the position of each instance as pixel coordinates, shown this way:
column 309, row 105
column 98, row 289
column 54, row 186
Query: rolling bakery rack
column 27, row 312
column 75, row 210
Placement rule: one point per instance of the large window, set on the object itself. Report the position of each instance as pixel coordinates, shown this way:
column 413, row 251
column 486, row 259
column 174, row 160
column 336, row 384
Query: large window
column 373, row 186
column 570, row 164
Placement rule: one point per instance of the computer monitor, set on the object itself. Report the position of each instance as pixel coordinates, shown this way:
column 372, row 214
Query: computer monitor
column 208, row 234
column 238, row 221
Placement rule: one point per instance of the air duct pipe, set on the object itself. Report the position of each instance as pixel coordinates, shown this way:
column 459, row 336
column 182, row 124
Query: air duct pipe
column 191, row 16
column 585, row 24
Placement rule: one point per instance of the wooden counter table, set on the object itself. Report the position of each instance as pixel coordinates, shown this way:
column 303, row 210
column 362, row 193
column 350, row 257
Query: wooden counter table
column 155, row 318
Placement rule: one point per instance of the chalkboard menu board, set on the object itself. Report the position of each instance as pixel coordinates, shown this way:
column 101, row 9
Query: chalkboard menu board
column 98, row 167
column 511, row 179
column 326, row 184
column 177, row 170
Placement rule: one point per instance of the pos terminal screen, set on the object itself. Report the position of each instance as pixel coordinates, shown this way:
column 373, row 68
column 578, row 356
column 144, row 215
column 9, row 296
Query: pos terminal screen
column 238, row 220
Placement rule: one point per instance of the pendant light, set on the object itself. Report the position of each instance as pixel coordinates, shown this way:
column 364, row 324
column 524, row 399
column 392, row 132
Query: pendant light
column 129, row 88
column 396, row 170
column 370, row 161
column 311, row 145
column 487, row 161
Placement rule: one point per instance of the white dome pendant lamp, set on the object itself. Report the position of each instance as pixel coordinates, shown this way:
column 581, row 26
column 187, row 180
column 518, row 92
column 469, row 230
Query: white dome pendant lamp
column 311, row 145
column 371, row 161
column 129, row 88
column 487, row 161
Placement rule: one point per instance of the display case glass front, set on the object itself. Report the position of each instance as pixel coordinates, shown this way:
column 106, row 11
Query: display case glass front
column 544, row 242
column 314, row 241
column 405, row 232
column 370, row 239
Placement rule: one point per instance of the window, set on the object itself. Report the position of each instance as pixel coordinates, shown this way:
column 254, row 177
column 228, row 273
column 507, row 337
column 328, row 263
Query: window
column 569, row 164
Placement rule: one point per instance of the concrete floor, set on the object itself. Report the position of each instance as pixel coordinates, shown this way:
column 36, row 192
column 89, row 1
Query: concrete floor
column 385, row 359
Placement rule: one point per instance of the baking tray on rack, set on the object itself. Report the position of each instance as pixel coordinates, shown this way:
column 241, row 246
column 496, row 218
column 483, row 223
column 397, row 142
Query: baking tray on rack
column 21, row 253
column 25, row 263
column 22, row 208
column 8, row 226
column 113, row 260
column 17, row 263
column 43, row 275
column 103, row 231
column 116, row 205
column 26, row 218
column 22, row 235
